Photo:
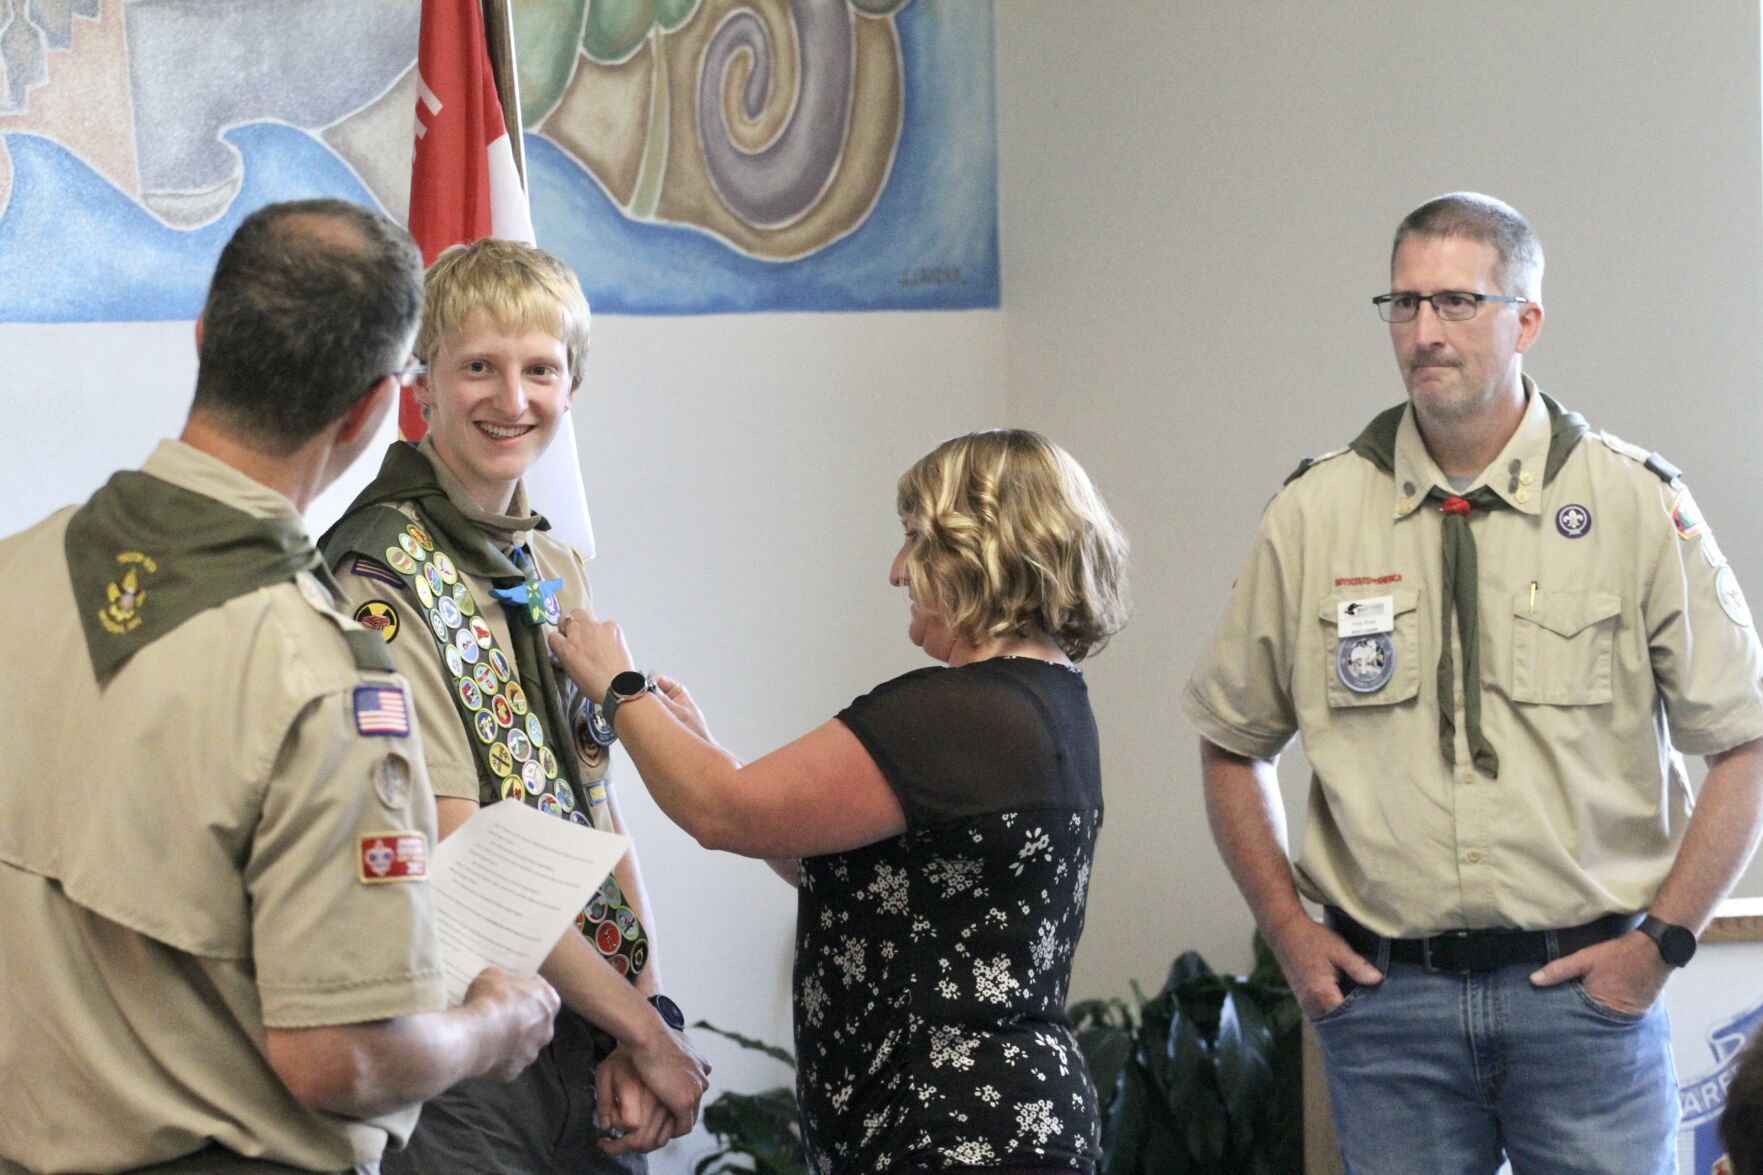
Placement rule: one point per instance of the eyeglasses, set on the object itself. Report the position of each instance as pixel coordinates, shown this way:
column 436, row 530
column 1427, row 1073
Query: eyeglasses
column 1450, row 305
column 408, row 374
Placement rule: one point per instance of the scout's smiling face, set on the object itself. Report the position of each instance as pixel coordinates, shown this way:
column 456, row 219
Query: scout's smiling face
column 495, row 398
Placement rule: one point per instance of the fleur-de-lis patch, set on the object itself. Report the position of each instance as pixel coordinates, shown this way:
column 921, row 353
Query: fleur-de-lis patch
column 126, row 596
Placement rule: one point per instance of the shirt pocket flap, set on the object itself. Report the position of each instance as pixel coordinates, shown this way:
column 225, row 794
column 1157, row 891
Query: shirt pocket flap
column 1568, row 613
column 1401, row 600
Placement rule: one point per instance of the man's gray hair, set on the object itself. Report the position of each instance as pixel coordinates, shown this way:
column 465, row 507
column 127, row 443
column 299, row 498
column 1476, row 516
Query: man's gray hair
column 1485, row 219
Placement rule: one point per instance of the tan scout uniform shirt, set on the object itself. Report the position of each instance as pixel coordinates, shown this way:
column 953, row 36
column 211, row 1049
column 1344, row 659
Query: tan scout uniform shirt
column 178, row 869
column 1637, row 641
column 446, row 739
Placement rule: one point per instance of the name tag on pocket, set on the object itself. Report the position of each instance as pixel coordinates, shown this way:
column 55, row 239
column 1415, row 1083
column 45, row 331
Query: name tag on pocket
column 1361, row 617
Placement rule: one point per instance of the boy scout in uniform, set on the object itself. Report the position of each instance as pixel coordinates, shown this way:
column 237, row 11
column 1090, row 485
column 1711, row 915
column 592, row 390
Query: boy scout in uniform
column 445, row 559
column 219, row 952
column 1496, row 631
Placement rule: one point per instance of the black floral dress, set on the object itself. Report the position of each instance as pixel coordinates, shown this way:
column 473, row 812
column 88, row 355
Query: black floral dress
column 932, row 970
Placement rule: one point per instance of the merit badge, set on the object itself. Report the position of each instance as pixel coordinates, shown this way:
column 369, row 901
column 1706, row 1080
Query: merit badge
column 486, row 679
column 535, row 730
column 577, row 818
column 1732, row 600
column 401, row 561
column 485, row 723
column 375, row 570
column 548, row 761
column 596, row 908
column 421, row 536
column 1573, row 521
column 501, row 762
column 533, row 777
column 378, row 616
column 549, row 806
column 412, row 548
column 500, row 664
column 469, row 694
column 432, row 574
column 1366, row 662
column 449, row 611
column 481, row 631
column 516, row 697
column 381, row 710
column 455, row 663
column 437, row 625
column 466, row 644
column 607, row 938
column 391, row 780
column 392, row 856
column 499, row 707
column 619, row 964
column 423, row 592
column 513, row 789
column 519, row 745
column 1686, row 516
column 639, row 955
column 467, row 605
column 449, row 573
column 626, row 919
column 565, row 794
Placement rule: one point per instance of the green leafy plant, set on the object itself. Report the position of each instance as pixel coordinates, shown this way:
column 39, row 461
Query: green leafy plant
column 1205, row 1077
column 763, row 1129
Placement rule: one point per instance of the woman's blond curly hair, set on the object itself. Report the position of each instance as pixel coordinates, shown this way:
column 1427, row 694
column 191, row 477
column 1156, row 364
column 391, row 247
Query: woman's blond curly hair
column 1011, row 538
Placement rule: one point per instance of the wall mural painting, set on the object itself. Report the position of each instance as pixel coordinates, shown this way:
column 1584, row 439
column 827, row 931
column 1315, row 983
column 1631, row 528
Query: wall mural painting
column 685, row 156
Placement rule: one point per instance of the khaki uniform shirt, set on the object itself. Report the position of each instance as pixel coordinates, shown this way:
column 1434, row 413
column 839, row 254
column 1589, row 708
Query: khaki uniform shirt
column 180, row 867
column 1612, row 631
column 447, row 741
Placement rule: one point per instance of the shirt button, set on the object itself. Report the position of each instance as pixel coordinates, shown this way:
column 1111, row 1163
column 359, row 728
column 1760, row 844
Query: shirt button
column 1469, row 777
column 1527, row 477
column 1521, row 496
column 1472, row 856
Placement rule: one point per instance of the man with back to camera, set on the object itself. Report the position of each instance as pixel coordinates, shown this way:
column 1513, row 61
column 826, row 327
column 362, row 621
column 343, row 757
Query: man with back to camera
column 220, row 954
column 1496, row 631
column 444, row 556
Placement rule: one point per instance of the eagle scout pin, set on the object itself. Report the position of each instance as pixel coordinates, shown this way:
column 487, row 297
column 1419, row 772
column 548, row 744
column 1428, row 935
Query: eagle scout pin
column 391, row 781
column 1366, row 662
column 378, row 616
column 392, row 856
column 1573, row 521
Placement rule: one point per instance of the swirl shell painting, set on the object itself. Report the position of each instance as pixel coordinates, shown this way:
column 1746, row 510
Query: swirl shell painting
column 684, row 156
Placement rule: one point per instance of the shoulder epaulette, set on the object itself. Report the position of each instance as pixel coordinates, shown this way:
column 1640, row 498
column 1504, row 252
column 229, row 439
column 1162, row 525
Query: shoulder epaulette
column 1308, row 463
column 369, row 650
column 1658, row 466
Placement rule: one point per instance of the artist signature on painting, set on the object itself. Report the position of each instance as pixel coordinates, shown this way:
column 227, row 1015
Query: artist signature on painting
column 932, row 275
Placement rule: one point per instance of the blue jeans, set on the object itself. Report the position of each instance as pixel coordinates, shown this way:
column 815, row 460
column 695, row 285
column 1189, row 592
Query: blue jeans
column 1445, row 1073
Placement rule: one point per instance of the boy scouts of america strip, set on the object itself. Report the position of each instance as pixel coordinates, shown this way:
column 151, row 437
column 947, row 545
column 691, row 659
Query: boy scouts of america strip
column 381, row 710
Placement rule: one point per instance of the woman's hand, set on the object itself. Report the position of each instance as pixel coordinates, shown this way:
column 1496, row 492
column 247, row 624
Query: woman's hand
column 680, row 704
column 591, row 651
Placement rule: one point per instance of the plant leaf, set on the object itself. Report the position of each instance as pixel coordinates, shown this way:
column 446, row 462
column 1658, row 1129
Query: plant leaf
column 747, row 1042
column 1245, row 1064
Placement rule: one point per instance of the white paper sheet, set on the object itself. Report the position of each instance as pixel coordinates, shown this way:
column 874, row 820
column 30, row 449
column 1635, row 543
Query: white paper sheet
column 508, row 883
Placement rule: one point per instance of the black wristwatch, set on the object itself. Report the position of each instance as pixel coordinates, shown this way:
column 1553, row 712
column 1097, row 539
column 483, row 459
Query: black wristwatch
column 1677, row 944
column 670, row 1013
column 626, row 687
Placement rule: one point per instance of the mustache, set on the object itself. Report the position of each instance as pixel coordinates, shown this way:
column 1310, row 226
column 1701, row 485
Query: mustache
column 1427, row 359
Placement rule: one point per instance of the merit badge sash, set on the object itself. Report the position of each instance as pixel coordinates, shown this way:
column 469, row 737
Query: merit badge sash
column 517, row 758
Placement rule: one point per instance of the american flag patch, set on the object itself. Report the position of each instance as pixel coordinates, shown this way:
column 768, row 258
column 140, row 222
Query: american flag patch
column 369, row 569
column 381, row 710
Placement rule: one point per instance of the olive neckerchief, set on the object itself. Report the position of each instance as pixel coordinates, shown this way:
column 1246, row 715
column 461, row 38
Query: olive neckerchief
column 431, row 556
column 145, row 555
column 1377, row 444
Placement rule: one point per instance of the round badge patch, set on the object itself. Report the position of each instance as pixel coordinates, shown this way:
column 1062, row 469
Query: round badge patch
column 549, row 762
column 378, row 616
column 485, row 723
column 607, row 938
column 565, row 794
column 499, row 707
column 470, row 694
column 639, row 955
column 501, row 762
column 463, row 598
column 519, row 745
column 485, row 678
column 626, row 919
column 432, row 574
column 533, row 777
column 444, row 565
column 449, row 611
column 455, row 663
column 549, row 806
column 576, row 817
column 600, row 729
column 513, row 789
column 1366, row 662
column 535, row 730
column 400, row 561
column 466, row 644
column 481, row 631
column 597, row 907
column 516, row 696
column 1573, row 521
column 1732, row 600
column 412, row 548
column 437, row 625
column 423, row 592
column 391, row 781
column 500, row 664
column 421, row 536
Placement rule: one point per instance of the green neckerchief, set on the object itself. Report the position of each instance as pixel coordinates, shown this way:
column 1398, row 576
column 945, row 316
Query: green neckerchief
column 407, row 475
column 1377, row 444
column 145, row 556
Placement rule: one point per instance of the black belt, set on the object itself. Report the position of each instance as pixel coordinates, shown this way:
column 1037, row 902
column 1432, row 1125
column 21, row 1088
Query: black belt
column 1461, row 952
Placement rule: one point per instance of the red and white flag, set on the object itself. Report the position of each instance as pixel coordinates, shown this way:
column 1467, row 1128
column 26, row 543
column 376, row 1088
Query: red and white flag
column 464, row 185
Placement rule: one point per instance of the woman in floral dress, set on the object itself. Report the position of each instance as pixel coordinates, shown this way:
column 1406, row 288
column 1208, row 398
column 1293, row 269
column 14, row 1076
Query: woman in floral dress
column 941, row 827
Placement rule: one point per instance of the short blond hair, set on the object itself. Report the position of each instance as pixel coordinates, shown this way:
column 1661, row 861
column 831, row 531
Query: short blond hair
column 1012, row 538
column 519, row 286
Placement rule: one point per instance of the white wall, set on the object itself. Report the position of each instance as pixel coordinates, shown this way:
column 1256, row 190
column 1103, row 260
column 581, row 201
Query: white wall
column 1197, row 201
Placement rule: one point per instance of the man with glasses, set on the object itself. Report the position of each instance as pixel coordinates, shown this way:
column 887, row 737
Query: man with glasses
column 1496, row 630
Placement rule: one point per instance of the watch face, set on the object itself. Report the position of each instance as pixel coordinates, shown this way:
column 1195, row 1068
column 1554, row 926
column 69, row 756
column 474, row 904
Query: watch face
column 1677, row 945
column 629, row 684
column 670, row 1013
